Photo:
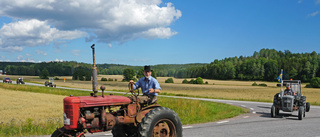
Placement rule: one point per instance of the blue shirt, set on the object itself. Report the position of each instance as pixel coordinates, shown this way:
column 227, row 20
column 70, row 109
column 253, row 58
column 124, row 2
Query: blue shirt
column 146, row 84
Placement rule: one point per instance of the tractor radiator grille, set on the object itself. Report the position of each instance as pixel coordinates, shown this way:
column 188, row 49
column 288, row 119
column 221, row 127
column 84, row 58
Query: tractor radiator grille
column 68, row 109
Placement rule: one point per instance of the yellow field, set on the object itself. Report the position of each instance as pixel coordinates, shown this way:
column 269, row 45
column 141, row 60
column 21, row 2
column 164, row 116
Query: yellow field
column 223, row 89
column 19, row 106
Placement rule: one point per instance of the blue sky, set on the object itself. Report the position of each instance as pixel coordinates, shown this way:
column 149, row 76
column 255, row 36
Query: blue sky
column 150, row 32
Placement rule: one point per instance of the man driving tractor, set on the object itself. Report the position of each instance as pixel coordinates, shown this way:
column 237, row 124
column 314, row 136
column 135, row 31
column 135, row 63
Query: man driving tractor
column 149, row 85
column 288, row 90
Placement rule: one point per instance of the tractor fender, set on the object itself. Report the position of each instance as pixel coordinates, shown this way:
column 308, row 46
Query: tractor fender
column 144, row 111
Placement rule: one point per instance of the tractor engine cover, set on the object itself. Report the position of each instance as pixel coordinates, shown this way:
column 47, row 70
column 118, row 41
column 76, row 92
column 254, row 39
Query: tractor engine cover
column 73, row 104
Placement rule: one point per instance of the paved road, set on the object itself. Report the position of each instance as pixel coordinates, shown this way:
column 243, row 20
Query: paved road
column 256, row 123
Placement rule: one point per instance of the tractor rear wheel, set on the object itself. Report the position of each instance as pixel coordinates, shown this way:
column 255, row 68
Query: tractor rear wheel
column 161, row 122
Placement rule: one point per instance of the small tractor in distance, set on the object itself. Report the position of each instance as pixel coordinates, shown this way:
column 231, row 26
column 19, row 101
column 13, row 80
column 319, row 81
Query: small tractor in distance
column 50, row 83
column 20, row 81
column 290, row 103
column 126, row 116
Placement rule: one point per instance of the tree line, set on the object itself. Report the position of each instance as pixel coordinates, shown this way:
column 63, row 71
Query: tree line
column 262, row 65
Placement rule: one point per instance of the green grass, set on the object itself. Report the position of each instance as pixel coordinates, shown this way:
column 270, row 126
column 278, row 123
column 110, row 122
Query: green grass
column 189, row 111
column 28, row 128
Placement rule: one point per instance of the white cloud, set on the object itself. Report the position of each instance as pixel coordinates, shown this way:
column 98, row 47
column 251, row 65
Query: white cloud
column 11, row 49
column 314, row 13
column 163, row 33
column 57, row 60
column 318, row 2
column 76, row 52
column 299, row 1
column 17, row 35
column 41, row 52
column 110, row 45
column 108, row 21
column 20, row 58
column 28, row 55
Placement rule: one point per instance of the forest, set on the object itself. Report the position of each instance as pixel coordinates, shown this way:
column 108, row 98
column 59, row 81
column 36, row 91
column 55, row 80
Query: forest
column 262, row 65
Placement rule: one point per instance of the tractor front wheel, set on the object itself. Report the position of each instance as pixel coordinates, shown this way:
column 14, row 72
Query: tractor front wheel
column 161, row 122
column 61, row 132
column 273, row 111
column 300, row 113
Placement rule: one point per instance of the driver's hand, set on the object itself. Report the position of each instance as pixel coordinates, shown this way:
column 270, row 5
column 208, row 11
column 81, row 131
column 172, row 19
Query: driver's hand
column 151, row 90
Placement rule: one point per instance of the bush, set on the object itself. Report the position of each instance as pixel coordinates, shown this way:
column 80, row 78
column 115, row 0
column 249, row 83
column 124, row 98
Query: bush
column 254, row 84
column 199, row 80
column 185, row 81
column 315, row 82
column 169, row 80
column 110, row 79
column 56, row 78
column 104, row 79
column 206, row 82
column 308, row 86
column 192, row 81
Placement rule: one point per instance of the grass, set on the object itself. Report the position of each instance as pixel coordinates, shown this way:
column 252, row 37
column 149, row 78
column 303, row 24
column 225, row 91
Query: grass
column 32, row 110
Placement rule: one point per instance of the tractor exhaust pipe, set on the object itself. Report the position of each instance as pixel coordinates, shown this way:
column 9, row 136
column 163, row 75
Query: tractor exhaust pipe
column 94, row 74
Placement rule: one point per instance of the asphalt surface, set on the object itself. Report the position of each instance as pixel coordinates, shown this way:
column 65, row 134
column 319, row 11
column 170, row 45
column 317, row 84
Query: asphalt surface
column 257, row 123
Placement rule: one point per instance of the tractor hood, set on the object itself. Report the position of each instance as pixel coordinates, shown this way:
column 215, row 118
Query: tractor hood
column 90, row 101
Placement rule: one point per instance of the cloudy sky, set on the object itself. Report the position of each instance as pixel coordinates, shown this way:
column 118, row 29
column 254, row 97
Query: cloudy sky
column 149, row 32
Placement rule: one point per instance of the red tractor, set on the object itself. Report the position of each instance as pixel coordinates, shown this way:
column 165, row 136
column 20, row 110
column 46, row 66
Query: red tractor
column 126, row 116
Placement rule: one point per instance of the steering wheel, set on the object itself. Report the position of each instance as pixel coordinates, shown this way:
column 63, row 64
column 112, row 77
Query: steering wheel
column 131, row 89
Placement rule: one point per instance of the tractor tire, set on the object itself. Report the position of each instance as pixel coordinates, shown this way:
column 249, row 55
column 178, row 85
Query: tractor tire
column 46, row 83
column 300, row 113
column 57, row 133
column 277, row 111
column 62, row 133
column 307, row 107
column 161, row 121
column 124, row 131
column 273, row 111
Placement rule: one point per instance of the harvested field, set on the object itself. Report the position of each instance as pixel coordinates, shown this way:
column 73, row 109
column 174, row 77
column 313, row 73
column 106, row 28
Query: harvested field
column 222, row 89
column 18, row 105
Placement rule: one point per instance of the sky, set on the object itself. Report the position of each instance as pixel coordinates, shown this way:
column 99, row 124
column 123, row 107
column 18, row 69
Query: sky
column 151, row 32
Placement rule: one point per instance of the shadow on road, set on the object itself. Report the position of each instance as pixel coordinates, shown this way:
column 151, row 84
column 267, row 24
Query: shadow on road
column 281, row 115
column 264, row 107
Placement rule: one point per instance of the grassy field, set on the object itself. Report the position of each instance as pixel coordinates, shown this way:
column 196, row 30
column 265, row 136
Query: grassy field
column 222, row 89
column 33, row 110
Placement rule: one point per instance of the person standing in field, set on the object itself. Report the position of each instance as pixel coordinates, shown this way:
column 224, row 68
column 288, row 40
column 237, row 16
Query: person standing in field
column 149, row 85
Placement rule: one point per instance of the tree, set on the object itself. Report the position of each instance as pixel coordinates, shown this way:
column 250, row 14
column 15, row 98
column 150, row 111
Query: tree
column 154, row 74
column 81, row 74
column 140, row 73
column 44, row 74
column 129, row 74
column 315, row 82
column 271, row 70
